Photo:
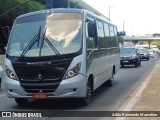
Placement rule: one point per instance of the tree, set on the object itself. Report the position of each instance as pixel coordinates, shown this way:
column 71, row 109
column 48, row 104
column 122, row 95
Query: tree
column 120, row 39
column 155, row 43
column 6, row 5
column 10, row 10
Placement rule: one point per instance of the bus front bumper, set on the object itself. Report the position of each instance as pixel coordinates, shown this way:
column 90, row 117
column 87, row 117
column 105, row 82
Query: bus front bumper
column 74, row 87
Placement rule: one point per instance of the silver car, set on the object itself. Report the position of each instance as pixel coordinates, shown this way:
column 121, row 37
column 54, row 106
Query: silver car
column 1, row 74
column 151, row 53
column 144, row 53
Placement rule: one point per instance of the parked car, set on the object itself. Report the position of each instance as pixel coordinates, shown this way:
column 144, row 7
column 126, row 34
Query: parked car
column 1, row 74
column 130, row 56
column 151, row 53
column 144, row 53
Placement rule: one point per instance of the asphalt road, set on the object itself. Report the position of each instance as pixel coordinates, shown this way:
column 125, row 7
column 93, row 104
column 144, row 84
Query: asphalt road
column 104, row 99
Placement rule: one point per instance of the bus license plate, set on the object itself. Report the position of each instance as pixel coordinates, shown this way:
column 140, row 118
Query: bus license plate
column 40, row 95
column 125, row 61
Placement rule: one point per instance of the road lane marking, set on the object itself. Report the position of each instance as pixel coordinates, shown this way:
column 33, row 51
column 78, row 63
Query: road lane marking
column 137, row 96
column 3, row 95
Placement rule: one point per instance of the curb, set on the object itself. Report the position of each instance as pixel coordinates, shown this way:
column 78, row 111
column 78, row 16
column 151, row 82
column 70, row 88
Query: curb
column 136, row 95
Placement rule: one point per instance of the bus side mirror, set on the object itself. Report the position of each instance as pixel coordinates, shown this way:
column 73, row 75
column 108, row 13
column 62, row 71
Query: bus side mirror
column 91, row 29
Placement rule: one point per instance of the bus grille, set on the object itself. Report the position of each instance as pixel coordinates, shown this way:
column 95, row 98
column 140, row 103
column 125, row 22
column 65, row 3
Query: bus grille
column 44, row 78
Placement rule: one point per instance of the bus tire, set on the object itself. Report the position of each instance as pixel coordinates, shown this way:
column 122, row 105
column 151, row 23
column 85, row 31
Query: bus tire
column 86, row 100
column 111, row 80
column 21, row 101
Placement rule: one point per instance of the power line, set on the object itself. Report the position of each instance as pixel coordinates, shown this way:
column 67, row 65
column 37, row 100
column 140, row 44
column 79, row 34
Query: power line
column 14, row 8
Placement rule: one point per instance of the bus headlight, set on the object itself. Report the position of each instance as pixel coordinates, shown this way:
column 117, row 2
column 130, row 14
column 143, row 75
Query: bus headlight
column 73, row 72
column 11, row 74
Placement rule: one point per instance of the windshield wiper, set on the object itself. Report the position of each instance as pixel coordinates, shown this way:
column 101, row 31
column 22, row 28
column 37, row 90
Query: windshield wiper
column 49, row 43
column 35, row 39
column 39, row 36
column 53, row 48
column 42, row 42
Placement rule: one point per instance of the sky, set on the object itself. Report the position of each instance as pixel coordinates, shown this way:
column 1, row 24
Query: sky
column 140, row 17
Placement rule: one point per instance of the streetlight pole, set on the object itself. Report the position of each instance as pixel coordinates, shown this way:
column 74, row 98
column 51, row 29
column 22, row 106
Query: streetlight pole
column 131, row 31
column 109, row 11
column 123, row 31
column 123, row 25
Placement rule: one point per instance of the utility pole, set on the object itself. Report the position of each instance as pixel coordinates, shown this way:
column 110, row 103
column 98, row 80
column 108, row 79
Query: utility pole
column 109, row 11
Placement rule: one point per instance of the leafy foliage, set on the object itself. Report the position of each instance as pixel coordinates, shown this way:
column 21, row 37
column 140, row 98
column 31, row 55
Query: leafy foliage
column 6, row 5
column 120, row 39
column 155, row 43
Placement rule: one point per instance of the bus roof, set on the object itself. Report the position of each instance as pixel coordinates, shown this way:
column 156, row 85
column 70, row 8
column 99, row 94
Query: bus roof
column 68, row 10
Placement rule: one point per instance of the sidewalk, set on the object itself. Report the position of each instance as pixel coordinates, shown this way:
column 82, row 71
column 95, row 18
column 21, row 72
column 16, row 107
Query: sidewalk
column 146, row 97
column 150, row 97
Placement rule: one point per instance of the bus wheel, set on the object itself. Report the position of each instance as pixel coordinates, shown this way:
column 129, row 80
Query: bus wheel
column 111, row 80
column 21, row 101
column 86, row 100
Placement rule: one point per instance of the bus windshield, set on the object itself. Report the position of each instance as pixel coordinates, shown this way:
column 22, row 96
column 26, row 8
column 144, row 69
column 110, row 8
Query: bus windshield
column 61, row 30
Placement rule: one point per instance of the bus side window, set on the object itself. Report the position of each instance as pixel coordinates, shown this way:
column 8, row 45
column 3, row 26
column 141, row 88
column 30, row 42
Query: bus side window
column 100, row 31
column 112, row 36
column 90, row 35
column 113, row 33
column 107, row 35
column 116, row 39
